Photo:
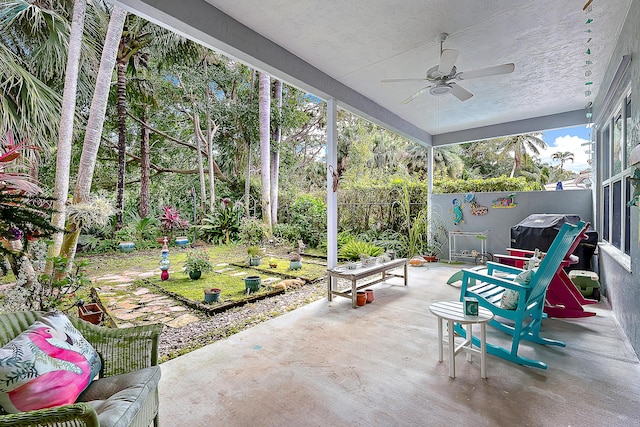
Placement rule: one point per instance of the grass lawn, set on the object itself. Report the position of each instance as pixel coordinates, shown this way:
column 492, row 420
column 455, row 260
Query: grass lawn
column 233, row 287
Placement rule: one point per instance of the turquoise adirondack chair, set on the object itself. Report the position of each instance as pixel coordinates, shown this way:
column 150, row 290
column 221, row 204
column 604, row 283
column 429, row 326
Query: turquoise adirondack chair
column 525, row 320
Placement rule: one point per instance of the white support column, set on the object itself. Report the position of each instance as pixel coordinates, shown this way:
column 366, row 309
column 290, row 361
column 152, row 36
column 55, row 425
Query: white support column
column 429, row 190
column 332, row 196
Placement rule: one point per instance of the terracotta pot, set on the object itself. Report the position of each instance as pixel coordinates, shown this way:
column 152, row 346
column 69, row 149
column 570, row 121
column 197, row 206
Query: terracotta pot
column 361, row 298
column 91, row 313
column 369, row 294
column 430, row 258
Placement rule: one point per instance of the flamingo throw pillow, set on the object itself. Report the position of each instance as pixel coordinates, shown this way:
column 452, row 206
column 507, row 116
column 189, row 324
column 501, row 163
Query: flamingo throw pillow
column 47, row 365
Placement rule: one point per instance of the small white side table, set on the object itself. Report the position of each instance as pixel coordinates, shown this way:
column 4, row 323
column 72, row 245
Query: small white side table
column 453, row 312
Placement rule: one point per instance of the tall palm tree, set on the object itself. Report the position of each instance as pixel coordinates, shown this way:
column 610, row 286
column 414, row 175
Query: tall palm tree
column 94, row 125
column 519, row 145
column 33, row 50
column 562, row 157
column 447, row 161
column 63, row 156
column 139, row 41
column 275, row 151
column 265, row 146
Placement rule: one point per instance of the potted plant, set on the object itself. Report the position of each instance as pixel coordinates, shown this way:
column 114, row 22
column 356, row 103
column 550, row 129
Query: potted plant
column 436, row 239
column 170, row 222
column 196, row 263
column 254, row 253
column 212, row 295
column 295, row 261
column 273, row 263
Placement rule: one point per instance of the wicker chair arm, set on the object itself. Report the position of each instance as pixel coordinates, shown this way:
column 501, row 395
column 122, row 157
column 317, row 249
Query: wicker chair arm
column 122, row 350
column 76, row 415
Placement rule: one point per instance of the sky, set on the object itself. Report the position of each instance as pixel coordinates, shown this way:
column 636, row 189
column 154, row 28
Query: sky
column 569, row 139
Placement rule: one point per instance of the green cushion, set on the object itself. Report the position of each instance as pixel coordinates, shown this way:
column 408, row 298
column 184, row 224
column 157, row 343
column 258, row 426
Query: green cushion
column 118, row 399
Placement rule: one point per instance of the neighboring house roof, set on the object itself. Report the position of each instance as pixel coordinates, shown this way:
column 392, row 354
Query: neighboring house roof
column 581, row 182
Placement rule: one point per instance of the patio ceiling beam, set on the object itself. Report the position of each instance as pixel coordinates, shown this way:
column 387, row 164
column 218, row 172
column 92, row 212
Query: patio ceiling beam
column 535, row 124
column 203, row 23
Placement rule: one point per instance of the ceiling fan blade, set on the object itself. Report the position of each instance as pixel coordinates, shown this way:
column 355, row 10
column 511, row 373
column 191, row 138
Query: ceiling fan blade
column 459, row 92
column 415, row 95
column 447, row 61
column 485, row 72
column 419, row 79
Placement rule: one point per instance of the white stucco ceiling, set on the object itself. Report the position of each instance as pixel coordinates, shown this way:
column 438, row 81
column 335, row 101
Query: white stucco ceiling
column 360, row 42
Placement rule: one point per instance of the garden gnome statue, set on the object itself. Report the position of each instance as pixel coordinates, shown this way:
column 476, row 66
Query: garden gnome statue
column 164, row 262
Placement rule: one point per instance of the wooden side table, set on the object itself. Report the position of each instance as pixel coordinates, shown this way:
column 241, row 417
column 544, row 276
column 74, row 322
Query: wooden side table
column 453, row 312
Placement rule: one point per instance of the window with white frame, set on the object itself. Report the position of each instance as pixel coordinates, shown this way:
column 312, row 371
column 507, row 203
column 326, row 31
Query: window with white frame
column 614, row 140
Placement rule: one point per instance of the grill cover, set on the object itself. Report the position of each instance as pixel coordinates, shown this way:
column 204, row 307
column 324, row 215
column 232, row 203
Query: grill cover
column 537, row 231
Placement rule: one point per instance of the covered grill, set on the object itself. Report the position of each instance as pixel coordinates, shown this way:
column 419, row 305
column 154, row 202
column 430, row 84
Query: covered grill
column 537, row 231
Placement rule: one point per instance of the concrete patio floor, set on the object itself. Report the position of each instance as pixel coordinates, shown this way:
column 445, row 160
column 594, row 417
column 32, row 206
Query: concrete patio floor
column 327, row 364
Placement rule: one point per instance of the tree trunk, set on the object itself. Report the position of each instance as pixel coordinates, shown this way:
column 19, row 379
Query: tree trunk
column 63, row 156
column 122, row 141
column 265, row 148
column 247, row 146
column 275, row 152
column 198, row 133
column 144, row 166
column 94, row 124
column 209, row 147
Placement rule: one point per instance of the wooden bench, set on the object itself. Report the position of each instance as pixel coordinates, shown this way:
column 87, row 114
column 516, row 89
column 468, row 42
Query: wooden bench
column 361, row 273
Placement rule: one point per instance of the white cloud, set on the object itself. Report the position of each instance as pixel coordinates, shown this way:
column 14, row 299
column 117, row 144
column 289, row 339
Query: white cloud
column 572, row 144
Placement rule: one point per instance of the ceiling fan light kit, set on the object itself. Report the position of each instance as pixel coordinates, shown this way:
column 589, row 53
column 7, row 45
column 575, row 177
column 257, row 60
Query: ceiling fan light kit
column 440, row 89
column 442, row 76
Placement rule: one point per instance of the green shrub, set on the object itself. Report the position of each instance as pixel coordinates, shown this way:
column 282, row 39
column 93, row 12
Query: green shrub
column 309, row 216
column 252, row 231
column 223, row 225
column 502, row 183
column 142, row 228
column 391, row 240
column 288, row 233
column 353, row 249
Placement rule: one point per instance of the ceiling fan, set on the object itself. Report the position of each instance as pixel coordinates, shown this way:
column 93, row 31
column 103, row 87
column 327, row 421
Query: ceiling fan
column 443, row 76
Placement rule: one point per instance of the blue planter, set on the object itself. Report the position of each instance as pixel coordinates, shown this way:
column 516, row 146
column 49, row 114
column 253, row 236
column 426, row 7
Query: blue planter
column 182, row 242
column 252, row 283
column 211, row 296
column 126, row 246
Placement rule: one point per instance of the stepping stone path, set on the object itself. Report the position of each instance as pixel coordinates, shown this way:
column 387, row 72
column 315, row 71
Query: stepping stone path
column 129, row 305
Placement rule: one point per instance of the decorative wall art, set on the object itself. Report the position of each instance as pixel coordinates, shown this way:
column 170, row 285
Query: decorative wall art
column 476, row 208
column 505, row 202
column 457, row 211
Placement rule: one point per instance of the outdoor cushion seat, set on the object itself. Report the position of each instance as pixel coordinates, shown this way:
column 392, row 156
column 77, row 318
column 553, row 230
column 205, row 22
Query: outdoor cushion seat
column 126, row 390
column 119, row 399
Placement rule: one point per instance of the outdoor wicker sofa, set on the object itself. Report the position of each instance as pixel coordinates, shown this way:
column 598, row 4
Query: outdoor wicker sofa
column 126, row 392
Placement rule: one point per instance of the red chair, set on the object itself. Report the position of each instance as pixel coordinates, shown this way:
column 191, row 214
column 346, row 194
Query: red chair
column 563, row 299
